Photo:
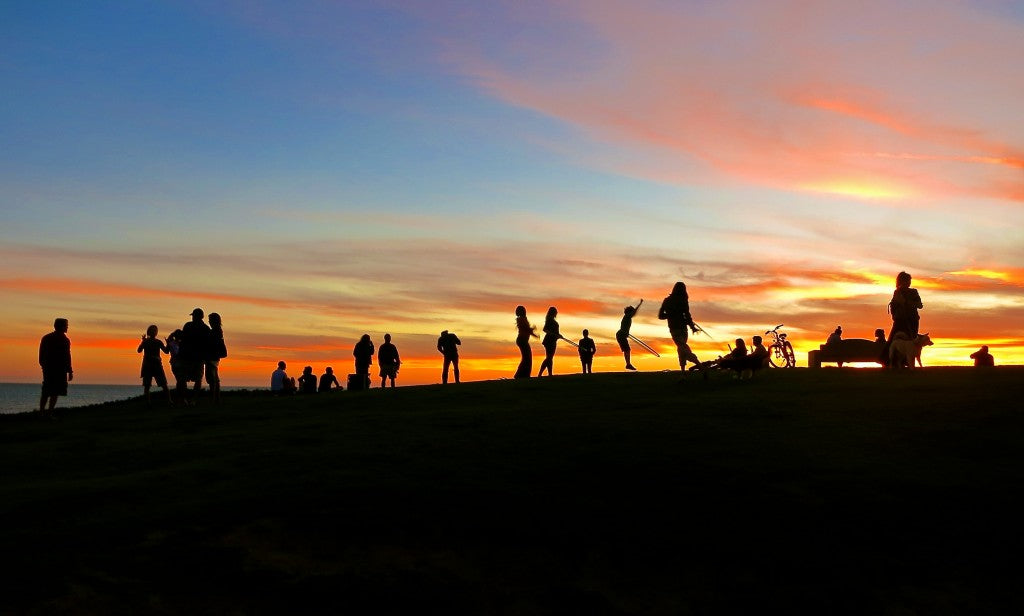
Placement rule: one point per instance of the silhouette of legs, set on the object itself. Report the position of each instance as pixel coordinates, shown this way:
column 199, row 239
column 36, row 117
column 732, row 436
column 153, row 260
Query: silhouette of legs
column 549, row 360
column 681, row 338
column 454, row 363
column 526, row 360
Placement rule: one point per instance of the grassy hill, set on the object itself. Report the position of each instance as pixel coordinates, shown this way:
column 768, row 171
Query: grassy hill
column 811, row 491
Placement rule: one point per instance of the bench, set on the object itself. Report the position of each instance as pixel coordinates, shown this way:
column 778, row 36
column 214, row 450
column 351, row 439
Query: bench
column 847, row 351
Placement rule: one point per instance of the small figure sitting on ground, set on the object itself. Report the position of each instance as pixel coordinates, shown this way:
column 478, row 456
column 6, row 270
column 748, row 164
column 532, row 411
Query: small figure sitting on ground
column 757, row 359
column 328, row 381
column 280, row 382
column 982, row 358
column 735, row 360
column 307, row 382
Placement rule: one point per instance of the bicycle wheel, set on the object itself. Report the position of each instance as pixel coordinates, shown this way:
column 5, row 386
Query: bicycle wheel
column 776, row 357
column 787, row 351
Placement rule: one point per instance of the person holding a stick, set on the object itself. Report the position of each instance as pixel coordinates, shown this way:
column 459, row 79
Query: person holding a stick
column 676, row 310
column 622, row 336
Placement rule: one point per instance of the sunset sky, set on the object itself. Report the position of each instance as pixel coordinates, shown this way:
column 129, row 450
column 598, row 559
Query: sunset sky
column 314, row 171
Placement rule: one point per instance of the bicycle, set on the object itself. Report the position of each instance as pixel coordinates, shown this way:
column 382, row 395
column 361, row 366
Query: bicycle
column 780, row 351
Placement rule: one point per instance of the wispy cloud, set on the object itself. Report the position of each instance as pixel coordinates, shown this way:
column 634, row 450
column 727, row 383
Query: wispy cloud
column 880, row 102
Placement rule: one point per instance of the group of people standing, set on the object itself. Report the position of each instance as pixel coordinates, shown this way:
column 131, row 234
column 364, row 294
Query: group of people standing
column 195, row 352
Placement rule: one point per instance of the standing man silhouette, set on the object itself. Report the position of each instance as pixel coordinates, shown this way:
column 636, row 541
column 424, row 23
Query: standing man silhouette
column 192, row 354
column 388, row 360
column 587, row 350
column 448, row 346
column 55, row 360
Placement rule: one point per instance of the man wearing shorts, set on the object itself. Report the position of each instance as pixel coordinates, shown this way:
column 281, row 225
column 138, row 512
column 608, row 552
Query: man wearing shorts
column 55, row 360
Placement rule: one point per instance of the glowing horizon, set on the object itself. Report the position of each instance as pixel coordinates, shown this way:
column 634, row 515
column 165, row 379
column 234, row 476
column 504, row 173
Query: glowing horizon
column 317, row 174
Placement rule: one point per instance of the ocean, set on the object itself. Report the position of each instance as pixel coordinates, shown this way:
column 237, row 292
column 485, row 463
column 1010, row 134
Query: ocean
column 24, row 397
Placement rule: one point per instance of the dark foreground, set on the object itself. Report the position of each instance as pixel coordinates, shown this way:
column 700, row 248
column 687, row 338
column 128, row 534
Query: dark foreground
column 826, row 492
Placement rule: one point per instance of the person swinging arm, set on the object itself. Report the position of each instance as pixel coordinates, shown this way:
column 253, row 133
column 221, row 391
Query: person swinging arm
column 676, row 310
column 622, row 336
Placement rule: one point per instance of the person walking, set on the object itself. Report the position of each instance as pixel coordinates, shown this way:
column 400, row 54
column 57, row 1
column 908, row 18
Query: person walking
column 55, row 361
column 676, row 310
column 550, row 341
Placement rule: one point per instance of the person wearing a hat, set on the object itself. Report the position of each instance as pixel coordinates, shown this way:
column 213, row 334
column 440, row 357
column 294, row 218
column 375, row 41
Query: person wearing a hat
column 194, row 343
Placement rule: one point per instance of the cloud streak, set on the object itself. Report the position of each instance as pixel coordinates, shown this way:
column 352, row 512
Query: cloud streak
column 882, row 102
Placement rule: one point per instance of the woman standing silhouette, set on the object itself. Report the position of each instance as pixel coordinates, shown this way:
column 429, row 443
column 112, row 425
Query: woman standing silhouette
column 676, row 310
column 903, row 307
column 523, row 342
column 550, row 341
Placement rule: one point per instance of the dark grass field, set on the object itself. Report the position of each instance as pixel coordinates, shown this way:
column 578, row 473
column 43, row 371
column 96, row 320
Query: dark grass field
column 803, row 491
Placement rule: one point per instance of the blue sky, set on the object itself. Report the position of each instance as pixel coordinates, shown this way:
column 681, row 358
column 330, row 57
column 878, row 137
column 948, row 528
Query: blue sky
column 309, row 163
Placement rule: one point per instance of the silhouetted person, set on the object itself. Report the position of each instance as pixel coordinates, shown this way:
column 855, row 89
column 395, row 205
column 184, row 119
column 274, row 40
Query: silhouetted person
column 550, row 341
column 280, row 382
column 903, row 307
column 192, row 353
column 363, row 352
column 759, row 354
column 152, row 363
column 448, row 346
column 525, row 331
column 587, row 351
column 388, row 360
column 328, row 381
column 879, row 336
column 174, row 349
column 307, row 382
column 676, row 310
column 216, row 350
column 622, row 336
column 982, row 358
column 736, row 358
column 835, row 336
column 55, row 360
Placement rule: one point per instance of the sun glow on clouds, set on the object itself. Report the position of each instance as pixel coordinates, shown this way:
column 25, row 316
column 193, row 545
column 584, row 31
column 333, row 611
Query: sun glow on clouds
column 785, row 162
column 681, row 80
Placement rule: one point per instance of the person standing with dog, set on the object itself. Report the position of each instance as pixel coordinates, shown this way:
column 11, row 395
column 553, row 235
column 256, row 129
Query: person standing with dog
column 903, row 307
